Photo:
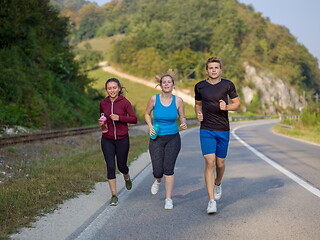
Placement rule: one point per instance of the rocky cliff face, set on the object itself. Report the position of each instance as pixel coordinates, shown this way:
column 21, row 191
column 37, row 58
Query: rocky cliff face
column 273, row 92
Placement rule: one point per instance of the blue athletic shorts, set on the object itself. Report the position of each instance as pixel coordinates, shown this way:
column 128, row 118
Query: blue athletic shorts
column 214, row 142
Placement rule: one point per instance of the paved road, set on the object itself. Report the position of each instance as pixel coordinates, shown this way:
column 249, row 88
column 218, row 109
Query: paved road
column 259, row 201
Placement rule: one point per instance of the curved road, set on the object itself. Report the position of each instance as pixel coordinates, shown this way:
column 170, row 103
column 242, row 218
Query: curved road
column 259, row 201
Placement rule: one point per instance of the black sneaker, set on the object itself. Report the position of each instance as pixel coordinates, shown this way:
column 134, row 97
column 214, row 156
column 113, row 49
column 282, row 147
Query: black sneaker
column 128, row 183
column 114, row 200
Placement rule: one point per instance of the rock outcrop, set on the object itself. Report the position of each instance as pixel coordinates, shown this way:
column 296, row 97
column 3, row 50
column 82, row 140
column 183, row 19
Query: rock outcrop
column 273, row 92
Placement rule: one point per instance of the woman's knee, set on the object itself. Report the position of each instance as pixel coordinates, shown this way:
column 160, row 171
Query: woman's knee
column 123, row 169
column 157, row 174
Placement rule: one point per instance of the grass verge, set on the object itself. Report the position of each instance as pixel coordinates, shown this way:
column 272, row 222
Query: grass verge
column 43, row 184
column 307, row 134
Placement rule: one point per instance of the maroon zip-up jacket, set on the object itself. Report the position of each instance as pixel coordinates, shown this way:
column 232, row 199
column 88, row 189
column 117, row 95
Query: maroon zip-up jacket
column 122, row 107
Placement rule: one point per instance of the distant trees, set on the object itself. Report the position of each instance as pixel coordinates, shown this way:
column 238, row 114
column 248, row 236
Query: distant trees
column 88, row 58
column 182, row 34
column 91, row 18
column 165, row 29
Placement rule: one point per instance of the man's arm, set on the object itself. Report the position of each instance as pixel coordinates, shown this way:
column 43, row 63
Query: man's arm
column 198, row 110
column 234, row 106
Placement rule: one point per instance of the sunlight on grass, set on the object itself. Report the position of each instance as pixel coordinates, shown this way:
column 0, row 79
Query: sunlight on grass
column 102, row 44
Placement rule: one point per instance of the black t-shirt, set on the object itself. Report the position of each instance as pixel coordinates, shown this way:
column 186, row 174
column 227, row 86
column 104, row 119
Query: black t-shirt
column 210, row 94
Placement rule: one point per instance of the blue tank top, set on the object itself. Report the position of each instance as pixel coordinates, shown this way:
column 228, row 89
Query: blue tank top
column 165, row 116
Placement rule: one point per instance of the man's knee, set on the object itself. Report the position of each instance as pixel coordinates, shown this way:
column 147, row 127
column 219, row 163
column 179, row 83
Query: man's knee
column 210, row 160
column 220, row 162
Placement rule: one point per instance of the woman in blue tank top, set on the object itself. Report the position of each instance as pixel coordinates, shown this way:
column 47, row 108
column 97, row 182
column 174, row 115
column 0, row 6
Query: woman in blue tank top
column 164, row 149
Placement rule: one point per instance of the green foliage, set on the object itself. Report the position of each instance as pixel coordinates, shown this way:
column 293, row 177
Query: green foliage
column 40, row 83
column 91, row 18
column 88, row 58
column 181, row 34
column 75, row 4
column 255, row 105
column 310, row 115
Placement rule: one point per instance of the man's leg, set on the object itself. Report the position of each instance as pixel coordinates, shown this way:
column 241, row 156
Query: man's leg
column 220, row 167
column 209, row 173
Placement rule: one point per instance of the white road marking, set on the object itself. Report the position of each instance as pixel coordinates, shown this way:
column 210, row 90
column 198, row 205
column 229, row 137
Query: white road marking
column 289, row 174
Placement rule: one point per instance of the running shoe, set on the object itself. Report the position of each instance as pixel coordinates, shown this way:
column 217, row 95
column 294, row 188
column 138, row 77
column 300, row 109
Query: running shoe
column 155, row 187
column 168, row 204
column 114, row 200
column 212, row 207
column 217, row 191
column 128, row 183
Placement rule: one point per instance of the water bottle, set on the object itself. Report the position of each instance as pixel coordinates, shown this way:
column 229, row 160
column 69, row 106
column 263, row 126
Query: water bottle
column 156, row 129
column 104, row 127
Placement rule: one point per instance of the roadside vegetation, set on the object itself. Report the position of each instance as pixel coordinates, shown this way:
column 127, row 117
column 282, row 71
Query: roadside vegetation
column 307, row 127
column 60, row 170
column 41, row 84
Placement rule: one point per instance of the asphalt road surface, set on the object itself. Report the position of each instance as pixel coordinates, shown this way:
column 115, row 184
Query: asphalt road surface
column 270, row 191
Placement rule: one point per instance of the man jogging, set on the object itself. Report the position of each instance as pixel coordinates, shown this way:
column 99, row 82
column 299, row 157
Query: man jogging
column 211, row 107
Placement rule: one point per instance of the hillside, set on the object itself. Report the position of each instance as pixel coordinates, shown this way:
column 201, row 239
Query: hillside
column 160, row 34
column 42, row 85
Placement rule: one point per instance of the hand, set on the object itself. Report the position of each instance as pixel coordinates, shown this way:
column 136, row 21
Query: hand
column 101, row 122
column 200, row 116
column 183, row 126
column 114, row 117
column 152, row 131
column 223, row 105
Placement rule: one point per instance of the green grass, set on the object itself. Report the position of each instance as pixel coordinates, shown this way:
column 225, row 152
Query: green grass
column 137, row 94
column 308, row 134
column 43, row 184
column 102, row 44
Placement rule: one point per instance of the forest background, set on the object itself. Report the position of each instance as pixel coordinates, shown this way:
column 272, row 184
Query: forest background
column 47, row 51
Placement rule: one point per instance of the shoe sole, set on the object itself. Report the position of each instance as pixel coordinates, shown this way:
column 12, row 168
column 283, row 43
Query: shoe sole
column 211, row 211
column 113, row 204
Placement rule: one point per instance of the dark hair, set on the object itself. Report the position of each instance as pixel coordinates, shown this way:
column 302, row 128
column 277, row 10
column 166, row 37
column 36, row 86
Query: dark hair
column 213, row 59
column 166, row 75
column 119, row 85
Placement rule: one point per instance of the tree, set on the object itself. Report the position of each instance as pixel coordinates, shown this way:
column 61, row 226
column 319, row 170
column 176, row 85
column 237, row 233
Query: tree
column 40, row 82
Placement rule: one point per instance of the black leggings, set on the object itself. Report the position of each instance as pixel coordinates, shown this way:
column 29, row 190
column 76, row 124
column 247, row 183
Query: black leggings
column 112, row 148
column 164, row 151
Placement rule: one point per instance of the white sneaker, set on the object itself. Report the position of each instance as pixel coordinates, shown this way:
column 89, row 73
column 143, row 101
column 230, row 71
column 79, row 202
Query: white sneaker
column 168, row 203
column 212, row 207
column 155, row 187
column 217, row 191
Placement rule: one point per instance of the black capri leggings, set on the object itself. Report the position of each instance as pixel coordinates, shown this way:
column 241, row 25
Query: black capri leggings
column 112, row 148
column 164, row 151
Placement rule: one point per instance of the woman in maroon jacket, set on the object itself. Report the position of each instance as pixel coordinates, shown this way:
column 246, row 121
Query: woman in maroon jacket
column 119, row 112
